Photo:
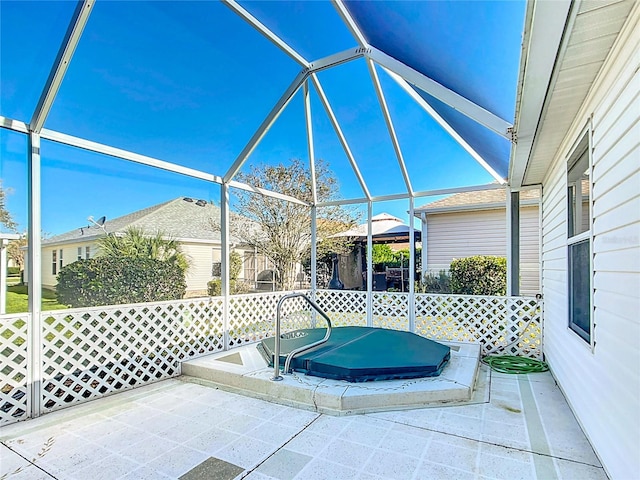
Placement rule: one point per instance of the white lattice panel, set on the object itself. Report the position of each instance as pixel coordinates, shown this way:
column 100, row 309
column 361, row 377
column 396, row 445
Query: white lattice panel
column 390, row 310
column 13, row 367
column 506, row 325
column 88, row 353
column 92, row 352
column 344, row 307
column 252, row 317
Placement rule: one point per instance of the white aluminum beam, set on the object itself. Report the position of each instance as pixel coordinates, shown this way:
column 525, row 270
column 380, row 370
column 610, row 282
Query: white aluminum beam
column 225, row 254
column 126, row 155
column 350, row 22
column 369, row 264
column 275, row 112
column 3, row 275
column 14, row 125
column 267, row 193
column 424, row 230
column 387, row 118
column 447, row 128
column 314, row 251
column 350, row 201
column 341, row 137
column 336, row 59
column 34, row 272
column 154, row 162
column 442, row 93
column 260, row 27
column 412, row 269
column 310, row 147
column 424, row 193
column 386, row 198
column 545, row 25
column 61, row 64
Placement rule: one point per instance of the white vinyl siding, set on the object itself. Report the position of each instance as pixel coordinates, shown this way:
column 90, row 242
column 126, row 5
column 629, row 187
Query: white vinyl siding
column 483, row 232
column 198, row 274
column 603, row 378
column 199, row 271
column 201, row 257
column 70, row 254
column 464, row 234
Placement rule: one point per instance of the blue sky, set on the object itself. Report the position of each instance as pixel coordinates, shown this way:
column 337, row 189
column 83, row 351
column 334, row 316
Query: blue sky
column 190, row 82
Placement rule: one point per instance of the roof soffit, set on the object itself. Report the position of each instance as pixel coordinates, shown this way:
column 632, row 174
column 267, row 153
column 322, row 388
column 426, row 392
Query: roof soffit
column 544, row 116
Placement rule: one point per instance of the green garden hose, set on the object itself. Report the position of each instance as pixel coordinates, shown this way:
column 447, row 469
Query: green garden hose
column 513, row 364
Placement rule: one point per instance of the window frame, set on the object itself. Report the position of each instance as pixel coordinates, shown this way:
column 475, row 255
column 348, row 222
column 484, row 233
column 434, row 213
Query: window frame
column 582, row 145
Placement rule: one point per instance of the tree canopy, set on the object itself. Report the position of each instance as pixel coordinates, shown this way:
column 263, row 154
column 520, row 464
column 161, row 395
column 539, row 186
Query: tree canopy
column 282, row 229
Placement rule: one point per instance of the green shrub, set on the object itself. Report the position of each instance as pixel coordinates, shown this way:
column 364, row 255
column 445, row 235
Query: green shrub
column 436, row 282
column 13, row 271
column 113, row 281
column 479, row 275
column 214, row 287
column 382, row 254
column 235, row 265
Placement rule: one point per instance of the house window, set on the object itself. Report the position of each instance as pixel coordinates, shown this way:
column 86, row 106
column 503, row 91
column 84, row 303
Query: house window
column 79, row 253
column 60, row 260
column 579, row 240
column 54, row 260
column 87, row 252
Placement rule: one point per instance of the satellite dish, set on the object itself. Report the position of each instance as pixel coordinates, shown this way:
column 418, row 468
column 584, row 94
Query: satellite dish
column 101, row 220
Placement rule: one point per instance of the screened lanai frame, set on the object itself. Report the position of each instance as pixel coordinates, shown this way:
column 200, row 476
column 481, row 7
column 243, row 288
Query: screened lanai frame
column 413, row 82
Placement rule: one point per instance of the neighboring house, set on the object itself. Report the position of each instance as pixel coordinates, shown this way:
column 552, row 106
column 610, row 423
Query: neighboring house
column 582, row 124
column 475, row 223
column 194, row 223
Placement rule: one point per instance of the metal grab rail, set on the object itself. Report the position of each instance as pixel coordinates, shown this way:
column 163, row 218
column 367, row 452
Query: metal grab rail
column 276, row 355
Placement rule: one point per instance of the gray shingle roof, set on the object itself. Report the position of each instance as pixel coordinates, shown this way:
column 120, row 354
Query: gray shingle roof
column 176, row 218
column 482, row 197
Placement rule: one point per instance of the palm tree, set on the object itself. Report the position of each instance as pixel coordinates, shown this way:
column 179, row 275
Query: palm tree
column 135, row 243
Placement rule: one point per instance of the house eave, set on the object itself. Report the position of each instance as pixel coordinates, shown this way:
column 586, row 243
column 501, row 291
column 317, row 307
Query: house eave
column 545, row 24
column 69, row 241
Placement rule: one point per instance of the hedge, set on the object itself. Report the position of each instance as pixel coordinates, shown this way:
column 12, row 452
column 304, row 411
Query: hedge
column 479, row 275
column 117, row 280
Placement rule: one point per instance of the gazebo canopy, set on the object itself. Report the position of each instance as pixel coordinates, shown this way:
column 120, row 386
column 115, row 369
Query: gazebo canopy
column 385, row 228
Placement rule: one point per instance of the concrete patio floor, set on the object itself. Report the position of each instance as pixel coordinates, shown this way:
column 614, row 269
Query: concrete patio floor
column 515, row 427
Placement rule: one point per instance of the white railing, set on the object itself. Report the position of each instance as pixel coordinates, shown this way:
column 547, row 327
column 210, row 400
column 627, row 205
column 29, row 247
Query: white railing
column 87, row 353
